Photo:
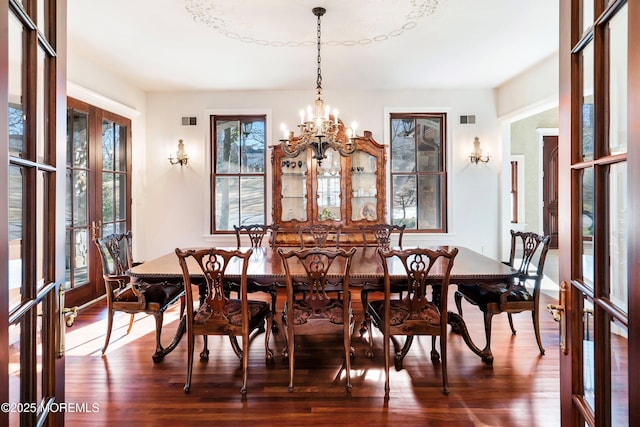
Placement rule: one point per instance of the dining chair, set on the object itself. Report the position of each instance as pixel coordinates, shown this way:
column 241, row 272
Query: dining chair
column 382, row 234
column 422, row 310
column 319, row 235
column 124, row 296
column 218, row 314
column 314, row 312
column 255, row 234
column 518, row 295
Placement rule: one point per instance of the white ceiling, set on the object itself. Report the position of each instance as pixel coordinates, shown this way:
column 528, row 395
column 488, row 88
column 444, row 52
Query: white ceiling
column 158, row 45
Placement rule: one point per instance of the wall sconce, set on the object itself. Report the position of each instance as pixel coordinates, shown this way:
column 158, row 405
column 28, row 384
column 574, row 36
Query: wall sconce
column 181, row 156
column 476, row 155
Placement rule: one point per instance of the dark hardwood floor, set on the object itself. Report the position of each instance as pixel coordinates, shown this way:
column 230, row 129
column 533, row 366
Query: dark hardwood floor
column 127, row 388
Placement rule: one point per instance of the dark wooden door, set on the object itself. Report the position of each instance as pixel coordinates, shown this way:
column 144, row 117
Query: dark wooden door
column 550, row 188
column 599, row 237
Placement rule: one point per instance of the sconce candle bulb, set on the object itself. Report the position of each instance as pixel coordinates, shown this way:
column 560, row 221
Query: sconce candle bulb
column 181, row 156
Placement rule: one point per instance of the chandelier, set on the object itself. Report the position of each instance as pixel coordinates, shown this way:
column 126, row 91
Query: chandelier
column 319, row 129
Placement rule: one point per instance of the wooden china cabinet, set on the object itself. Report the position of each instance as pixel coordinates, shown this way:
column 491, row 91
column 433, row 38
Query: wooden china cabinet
column 340, row 190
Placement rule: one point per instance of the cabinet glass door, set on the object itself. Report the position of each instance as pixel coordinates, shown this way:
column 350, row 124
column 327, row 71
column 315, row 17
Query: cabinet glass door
column 329, row 187
column 364, row 191
column 294, row 188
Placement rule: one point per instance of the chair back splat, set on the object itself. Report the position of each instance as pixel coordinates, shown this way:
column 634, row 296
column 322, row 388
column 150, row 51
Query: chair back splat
column 256, row 233
column 319, row 235
column 382, row 233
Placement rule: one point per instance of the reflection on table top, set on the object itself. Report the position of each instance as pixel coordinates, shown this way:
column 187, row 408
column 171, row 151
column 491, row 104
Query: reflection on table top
column 266, row 266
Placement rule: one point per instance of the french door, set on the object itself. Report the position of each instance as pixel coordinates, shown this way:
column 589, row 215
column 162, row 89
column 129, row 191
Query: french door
column 599, row 167
column 98, row 193
column 32, row 89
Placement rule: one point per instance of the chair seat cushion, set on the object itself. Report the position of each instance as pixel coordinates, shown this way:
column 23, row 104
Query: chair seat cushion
column 232, row 311
column 400, row 312
column 331, row 310
column 158, row 293
column 482, row 296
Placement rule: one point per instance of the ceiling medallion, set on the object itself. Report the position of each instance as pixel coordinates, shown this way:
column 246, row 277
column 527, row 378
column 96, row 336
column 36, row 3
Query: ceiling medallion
column 231, row 20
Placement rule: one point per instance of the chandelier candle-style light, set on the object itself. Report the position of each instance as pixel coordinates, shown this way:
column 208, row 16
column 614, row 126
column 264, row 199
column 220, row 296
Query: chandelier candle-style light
column 319, row 129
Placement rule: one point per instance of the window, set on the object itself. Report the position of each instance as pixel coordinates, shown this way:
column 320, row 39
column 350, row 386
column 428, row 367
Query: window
column 238, row 151
column 418, row 171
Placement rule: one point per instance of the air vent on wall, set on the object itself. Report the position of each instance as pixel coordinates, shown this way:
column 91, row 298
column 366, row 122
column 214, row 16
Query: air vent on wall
column 467, row 120
column 189, row 121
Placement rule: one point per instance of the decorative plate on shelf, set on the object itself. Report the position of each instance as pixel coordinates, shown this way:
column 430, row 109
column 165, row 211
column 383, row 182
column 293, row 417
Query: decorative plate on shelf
column 368, row 211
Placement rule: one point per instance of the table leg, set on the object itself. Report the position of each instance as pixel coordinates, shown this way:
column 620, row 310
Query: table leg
column 458, row 326
column 182, row 327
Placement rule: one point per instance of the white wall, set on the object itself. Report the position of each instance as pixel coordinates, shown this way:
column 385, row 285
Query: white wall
column 173, row 201
column 170, row 203
column 533, row 92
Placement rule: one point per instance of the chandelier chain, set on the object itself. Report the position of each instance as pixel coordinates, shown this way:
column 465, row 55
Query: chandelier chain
column 319, row 78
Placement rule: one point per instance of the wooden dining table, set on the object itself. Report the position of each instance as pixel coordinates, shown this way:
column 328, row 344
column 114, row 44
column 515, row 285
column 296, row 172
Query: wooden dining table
column 266, row 269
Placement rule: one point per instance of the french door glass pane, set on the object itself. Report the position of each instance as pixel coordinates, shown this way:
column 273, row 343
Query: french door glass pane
column 588, row 355
column 68, row 265
column 252, row 203
column 42, row 195
column 119, row 160
column 120, row 196
column 587, row 14
column 404, row 201
column 618, row 81
column 587, row 121
column 80, row 198
column 81, row 256
column 618, row 235
column 587, row 226
column 429, row 146
column 16, row 234
column 15, row 84
column 78, row 140
column 41, row 105
column 41, row 21
column 14, row 371
column 108, row 146
column 227, row 203
column 108, row 194
column 619, row 375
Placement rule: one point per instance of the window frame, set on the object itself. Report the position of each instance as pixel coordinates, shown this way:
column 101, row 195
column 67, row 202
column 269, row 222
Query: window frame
column 241, row 117
column 444, row 161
